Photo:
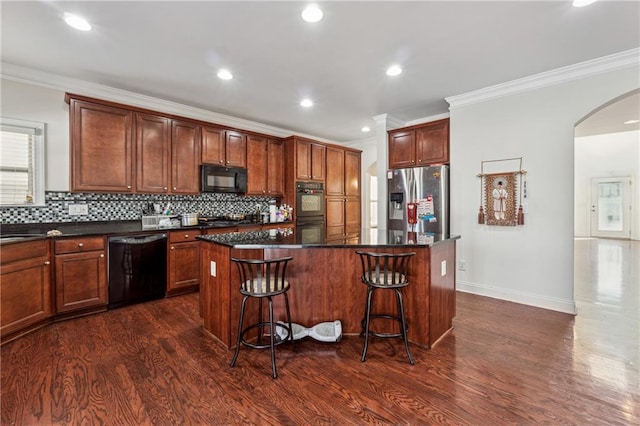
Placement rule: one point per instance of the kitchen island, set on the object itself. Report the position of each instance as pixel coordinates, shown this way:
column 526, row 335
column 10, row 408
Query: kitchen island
column 325, row 280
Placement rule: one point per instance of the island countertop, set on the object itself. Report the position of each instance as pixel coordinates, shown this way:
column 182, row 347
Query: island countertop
column 288, row 239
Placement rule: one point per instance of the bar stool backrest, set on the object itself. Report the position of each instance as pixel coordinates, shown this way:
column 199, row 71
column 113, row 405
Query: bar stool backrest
column 262, row 277
column 386, row 270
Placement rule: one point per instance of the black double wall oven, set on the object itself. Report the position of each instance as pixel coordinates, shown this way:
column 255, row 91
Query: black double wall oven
column 310, row 212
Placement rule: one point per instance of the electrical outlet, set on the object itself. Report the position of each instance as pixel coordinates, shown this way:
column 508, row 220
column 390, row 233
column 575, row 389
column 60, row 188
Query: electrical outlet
column 213, row 268
column 78, row 209
column 443, row 268
column 462, row 265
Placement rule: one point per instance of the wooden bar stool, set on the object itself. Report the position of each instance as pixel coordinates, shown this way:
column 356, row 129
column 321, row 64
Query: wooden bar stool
column 385, row 271
column 263, row 279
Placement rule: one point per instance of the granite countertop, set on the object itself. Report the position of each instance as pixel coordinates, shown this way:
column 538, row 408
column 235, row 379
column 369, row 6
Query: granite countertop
column 287, row 238
column 12, row 233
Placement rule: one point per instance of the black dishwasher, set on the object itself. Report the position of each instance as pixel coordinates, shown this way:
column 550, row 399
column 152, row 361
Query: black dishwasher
column 137, row 269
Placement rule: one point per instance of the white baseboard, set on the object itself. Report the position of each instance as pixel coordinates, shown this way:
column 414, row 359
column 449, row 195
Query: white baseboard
column 560, row 305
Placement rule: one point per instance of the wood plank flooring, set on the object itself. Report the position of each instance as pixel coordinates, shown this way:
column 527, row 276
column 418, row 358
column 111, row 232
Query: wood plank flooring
column 152, row 364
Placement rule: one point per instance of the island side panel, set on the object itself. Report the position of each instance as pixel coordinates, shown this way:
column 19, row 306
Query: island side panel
column 215, row 291
column 443, row 290
column 326, row 286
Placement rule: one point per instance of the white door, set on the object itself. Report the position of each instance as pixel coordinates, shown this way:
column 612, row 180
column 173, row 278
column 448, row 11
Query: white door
column 611, row 207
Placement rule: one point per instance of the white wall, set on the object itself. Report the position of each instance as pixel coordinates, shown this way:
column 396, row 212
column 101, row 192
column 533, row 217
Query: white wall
column 531, row 264
column 35, row 103
column 609, row 155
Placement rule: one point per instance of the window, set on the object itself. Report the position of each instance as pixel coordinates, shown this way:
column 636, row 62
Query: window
column 21, row 162
column 373, row 201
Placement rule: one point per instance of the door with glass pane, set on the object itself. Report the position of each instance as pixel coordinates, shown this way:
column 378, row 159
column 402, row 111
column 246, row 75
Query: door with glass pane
column 611, row 207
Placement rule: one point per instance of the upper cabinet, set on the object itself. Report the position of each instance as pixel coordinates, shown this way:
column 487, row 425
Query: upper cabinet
column 153, row 154
column 185, row 157
column 266, row 166
column 419, row 145
column 223, row 147
column 101, row 147
column 310, row 160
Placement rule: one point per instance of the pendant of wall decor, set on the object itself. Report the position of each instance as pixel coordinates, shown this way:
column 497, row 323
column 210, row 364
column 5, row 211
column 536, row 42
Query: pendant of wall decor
column 501, row 196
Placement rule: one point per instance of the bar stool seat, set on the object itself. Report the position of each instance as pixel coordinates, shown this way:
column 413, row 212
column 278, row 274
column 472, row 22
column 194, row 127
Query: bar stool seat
column 385, row 271
column 263, row 279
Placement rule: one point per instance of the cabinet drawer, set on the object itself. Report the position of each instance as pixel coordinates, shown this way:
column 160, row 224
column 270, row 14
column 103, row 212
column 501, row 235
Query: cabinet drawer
column 182, row 236
column 22, row 251
column 79, row 245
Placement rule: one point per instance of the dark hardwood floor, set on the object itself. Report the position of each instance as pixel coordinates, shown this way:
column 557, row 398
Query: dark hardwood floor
column 152, row 363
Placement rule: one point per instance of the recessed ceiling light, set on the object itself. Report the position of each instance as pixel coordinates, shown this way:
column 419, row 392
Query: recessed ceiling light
column 366, row 129
column 306, row 103
column 394, row 70
column 631, row 122
column 77, row 22
column 224, row 74
column 580, row 3
column 312, row 13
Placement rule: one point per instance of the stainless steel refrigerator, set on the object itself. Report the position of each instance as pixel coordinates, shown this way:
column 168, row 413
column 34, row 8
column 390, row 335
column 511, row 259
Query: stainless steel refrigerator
column 418, row 200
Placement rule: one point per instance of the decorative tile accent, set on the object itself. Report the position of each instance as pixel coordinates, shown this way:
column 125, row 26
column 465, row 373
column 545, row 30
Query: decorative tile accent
column 106, row 207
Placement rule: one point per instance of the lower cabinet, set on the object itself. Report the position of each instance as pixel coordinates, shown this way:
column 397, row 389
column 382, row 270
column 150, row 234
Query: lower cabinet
column 81, row 275
column 26, row 301
column 343, row 217
column 183, row 262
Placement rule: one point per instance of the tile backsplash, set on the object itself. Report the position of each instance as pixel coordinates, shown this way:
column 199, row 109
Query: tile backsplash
column 104, row 207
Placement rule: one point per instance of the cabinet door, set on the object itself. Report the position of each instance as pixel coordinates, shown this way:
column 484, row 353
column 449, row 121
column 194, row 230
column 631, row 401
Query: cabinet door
column 335, row 217
column 303, row 160
column 275, row 168
column 318, row 156
column 402, row 149
column 432, row 143
column 152, row 153
column 257, row 160
column 351, row 174
column 335, row 172
column 185, row 157
column 184, row 263
column 81, row 281
column 352, row 216
column 213, row 145
column 25, row 294
column 101, row 149
column 236, row 147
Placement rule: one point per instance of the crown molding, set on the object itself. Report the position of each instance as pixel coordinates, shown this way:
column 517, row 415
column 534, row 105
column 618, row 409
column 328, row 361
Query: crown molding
column 80, row 87
column 388, row 121
column 427, row 119
column 617, row 61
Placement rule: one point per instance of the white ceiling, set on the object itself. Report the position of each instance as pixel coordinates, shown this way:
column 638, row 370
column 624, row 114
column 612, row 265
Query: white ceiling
column 172, row 50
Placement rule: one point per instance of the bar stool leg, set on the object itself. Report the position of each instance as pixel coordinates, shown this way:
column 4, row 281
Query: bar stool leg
column 366, row 323
column 260, row 320
column 235, row 355
column 403, row 324
column 286, row 304
column 272, row 337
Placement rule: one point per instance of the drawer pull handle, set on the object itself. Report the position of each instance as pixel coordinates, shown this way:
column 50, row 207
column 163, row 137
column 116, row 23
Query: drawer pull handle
column 46, row 262
column 80, row 245
column 186, row 235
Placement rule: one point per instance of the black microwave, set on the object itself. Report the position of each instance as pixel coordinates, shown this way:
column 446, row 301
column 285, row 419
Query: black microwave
column 223, row 179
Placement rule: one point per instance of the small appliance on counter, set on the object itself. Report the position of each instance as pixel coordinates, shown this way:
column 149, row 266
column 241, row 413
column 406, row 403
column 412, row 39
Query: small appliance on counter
column 189, row 219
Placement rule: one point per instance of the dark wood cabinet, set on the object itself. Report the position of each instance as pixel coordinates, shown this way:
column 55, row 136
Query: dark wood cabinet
column 419, row 145
column 81, row 275
column 265, row 158
column 185, row 157
column 224, row 147
column 310, row 160
column 101, row 147
column 343, row 192
column 183, row 262
column 153, row 155
column 26, row 300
